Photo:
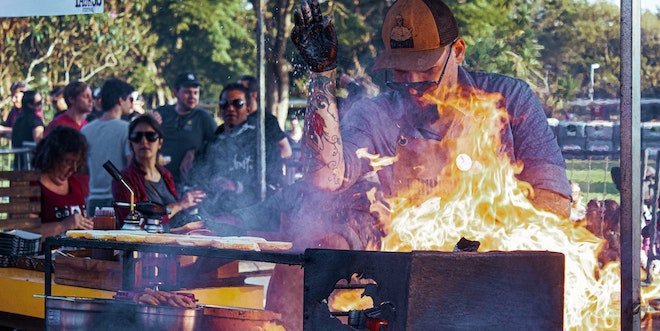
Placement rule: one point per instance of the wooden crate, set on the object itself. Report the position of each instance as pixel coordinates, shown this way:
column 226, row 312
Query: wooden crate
column 108, row 275
column 19, row 200
column 86, row 272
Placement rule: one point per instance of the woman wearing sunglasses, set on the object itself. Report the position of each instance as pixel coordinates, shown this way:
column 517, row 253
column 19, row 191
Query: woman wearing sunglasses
column 29, row 127
column 228, row 171
column 150, row 181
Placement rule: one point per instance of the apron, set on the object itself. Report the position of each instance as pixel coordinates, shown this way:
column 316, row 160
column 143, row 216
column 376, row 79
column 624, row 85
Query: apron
column 419, row 172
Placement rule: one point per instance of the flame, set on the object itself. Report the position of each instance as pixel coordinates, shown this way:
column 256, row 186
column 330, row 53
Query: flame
column 270, row 326
column 350, row 299
column 481, row 199
column 375, row 161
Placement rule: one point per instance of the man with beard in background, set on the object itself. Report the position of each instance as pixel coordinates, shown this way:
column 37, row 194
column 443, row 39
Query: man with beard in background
column 186, row 128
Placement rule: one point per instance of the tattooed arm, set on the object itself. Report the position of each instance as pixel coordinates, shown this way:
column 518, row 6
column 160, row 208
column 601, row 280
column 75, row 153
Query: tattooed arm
column 323, row 158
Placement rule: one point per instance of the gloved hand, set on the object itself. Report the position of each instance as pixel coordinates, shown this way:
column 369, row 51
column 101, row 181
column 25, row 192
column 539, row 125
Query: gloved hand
column 315, row 37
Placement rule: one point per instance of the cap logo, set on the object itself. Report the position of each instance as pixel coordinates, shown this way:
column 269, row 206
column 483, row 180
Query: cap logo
column 401, row 35
column 191, row 77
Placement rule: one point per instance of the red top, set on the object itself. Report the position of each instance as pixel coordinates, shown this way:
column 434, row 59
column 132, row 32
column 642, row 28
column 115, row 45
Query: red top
column 56, row 207
column 134, row 177
column 64, row 120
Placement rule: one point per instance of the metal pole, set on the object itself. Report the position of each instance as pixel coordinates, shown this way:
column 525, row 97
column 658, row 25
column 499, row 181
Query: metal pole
column 630, row 164
column 594, row 66
column 591, row 83
column 261, row 77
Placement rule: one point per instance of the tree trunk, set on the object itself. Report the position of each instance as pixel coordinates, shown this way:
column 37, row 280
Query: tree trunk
column 277, row 67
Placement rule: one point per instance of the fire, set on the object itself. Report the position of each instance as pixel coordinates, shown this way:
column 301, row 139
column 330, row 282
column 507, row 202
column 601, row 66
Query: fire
column 347, row 300
column 481, row 199
column 270, row 326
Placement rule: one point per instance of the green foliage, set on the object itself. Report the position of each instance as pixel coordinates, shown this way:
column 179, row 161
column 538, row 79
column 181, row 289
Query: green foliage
column 548, row 43
column 208, row 37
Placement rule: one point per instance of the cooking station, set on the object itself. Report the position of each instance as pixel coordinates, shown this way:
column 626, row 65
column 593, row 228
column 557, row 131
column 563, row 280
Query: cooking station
column 416, row 290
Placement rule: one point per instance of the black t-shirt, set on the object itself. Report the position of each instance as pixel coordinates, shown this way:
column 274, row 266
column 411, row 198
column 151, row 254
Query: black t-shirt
column 23, row 132
column 183, row 133
column 23, row 128
column 94, row 115
column 234, row 156
column 130, row 117
column 273, row 135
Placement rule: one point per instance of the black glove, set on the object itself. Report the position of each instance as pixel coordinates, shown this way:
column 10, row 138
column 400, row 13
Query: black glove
column 315, row 37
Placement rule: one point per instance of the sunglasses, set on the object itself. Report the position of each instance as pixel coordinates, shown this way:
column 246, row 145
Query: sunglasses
column 151, row 136
column 237, row 103
column 419, row 87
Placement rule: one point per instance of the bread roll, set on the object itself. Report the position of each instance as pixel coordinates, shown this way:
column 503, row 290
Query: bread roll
column 275, row 246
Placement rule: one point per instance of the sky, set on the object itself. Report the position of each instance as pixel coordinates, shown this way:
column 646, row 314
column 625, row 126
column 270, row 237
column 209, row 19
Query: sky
column 651, row 5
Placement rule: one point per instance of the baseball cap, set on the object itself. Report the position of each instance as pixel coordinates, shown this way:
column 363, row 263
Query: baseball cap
column 415, row 33
column 186, row 79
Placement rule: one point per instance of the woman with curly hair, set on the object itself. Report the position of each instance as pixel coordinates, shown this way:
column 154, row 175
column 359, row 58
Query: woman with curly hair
column 58, row 157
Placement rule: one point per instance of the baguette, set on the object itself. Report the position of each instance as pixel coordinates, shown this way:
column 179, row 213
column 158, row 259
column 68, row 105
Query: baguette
column 131, row 237
column 201, row 241
column 275, row 245
column 243, row 245
column 80, row 234
column 160, row 239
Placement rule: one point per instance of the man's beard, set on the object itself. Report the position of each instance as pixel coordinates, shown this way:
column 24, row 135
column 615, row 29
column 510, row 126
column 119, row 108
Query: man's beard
column 420, row 114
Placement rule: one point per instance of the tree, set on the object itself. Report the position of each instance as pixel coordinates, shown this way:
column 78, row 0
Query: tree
column 208, row 37
column 48, row 51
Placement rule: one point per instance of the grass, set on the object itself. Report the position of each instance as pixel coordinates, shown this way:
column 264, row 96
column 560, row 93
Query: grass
column 594, row 177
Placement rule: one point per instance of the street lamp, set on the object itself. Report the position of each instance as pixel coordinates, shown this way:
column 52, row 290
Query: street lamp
column 594, row 66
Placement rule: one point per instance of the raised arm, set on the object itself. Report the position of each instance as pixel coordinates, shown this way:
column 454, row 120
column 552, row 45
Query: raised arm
column 316, row 41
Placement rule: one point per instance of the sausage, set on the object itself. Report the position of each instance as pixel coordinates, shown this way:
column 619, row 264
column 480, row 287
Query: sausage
column 148, row 299
column 188, row 302
column 173, row 302
column 161, row 296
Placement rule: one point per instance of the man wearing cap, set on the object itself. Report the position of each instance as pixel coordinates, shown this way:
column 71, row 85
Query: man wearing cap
column 423, row 54
column 186, row 128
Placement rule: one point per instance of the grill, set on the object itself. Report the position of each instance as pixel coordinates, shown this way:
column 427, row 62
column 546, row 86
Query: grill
column 418, row 290
column 436, row 290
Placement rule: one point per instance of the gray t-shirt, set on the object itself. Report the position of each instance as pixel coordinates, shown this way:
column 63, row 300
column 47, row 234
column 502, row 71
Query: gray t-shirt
column 159, row 193
column 108, row 140
column 379, row 123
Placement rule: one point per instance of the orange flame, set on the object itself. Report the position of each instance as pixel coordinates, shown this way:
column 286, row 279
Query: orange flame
column 479, row 198
column 351, row 299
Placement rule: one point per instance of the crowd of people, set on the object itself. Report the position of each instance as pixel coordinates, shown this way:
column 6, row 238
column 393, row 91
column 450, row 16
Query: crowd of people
column 176, row 155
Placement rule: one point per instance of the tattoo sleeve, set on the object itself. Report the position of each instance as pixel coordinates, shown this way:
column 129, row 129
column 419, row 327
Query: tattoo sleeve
column 323, row 159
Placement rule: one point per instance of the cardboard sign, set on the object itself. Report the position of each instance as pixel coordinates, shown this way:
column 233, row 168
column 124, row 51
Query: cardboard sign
column 23, row 8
